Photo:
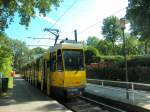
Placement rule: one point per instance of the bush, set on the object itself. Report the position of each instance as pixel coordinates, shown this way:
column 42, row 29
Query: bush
column 135, row 74
column 91, row 55
column 138, row 69
column 134, row 61
column 111, row 58
column 139, row 61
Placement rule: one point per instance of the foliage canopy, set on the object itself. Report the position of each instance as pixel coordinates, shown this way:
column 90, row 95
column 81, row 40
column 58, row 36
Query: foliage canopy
column 111, row 30
column 26, row 9
column 138, row 13
column 5, row 55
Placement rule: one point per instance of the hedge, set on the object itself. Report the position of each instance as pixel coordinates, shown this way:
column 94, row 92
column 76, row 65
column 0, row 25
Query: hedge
column 134, row 61
column 135, row 74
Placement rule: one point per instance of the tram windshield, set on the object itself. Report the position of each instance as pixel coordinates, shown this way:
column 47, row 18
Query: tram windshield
column 73, row 59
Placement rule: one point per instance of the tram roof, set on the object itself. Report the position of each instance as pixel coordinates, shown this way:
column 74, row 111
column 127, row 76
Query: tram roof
column 75, row 45
column 37, row 56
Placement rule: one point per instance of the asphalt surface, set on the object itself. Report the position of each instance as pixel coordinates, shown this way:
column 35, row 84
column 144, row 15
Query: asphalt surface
column 26, row 98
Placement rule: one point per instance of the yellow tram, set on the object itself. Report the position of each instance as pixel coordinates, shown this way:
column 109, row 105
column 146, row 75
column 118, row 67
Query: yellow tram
column 60, row 72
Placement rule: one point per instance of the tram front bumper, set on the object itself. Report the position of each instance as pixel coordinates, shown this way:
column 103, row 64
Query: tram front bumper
column 74, row 91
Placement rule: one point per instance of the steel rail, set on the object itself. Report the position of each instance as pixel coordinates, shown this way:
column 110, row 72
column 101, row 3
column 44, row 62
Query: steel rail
column 84, row 104
column 102, row 104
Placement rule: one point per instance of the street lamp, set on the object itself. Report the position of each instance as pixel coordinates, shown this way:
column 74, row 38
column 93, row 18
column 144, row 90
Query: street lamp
column 122, row 25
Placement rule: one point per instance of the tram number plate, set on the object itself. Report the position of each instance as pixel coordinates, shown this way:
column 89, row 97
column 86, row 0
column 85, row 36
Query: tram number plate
column 73, row 90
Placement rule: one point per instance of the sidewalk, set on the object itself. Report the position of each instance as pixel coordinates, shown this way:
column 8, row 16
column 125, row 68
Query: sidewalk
column 138, row 98
column 26, row 98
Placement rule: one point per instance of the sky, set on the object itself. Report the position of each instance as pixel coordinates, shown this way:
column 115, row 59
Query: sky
column 86, row 16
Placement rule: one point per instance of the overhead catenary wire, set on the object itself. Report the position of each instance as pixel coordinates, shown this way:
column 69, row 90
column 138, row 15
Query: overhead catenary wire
column 74, row 2
column 67, row 10
column 90, row 26
column 87, row 28
column 46, row 38
column 38, row 45
column 42, row 36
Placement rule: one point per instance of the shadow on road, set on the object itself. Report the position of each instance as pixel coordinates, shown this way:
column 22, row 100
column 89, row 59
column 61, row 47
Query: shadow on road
column 23, row 92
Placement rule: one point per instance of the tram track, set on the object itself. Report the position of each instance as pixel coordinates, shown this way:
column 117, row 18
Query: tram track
column 116, row 103
column 84, row 104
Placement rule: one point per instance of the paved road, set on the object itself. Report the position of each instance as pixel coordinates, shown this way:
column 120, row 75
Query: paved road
column 139, row 98
column 26, row 98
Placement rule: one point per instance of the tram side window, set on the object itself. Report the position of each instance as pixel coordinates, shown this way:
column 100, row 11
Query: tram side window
column 53, row 62
column 59, row 60
column 48, row 63
column 37, row 66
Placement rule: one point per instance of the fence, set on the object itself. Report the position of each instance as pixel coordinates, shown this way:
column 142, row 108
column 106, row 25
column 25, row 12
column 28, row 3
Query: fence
column 136, row 91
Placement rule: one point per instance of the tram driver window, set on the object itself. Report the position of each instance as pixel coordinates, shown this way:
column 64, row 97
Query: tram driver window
column 73, row 60
column 59, row 60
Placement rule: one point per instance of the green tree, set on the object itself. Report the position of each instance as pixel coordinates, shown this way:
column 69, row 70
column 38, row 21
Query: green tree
column 37, row 50
column 5, row 55
column 105, row 47
column 139, row 16
column 111, row 30
column 132, row 45
column 26, row 9
column 92, row 41
column 21, row 53
column 90, row 54
column 141, row 47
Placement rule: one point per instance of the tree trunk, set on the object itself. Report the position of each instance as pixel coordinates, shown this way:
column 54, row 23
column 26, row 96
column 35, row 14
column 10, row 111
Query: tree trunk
column 146, row 47
column 113, row 49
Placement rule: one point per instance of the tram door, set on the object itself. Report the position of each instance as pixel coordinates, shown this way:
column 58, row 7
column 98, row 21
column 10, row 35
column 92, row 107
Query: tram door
column 52, row 69
column 48, row 78
column 44, row 75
